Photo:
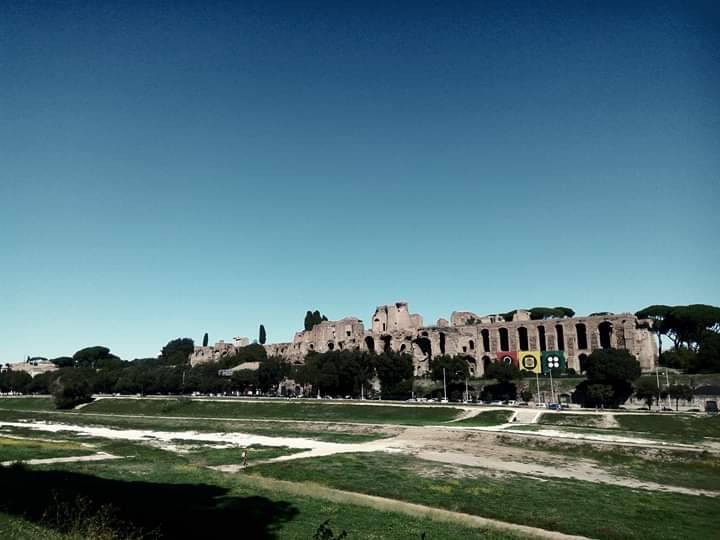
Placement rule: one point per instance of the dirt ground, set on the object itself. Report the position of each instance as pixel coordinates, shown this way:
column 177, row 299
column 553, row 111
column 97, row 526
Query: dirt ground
column 475, row 448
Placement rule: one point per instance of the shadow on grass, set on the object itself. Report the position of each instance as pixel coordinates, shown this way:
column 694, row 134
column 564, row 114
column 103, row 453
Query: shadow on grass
column 82, row 505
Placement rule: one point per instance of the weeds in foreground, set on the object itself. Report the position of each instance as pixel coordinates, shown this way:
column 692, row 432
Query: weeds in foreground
column 80, row 518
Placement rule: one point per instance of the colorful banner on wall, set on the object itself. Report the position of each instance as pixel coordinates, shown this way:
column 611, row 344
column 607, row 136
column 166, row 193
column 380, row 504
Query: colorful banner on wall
column 530, row 361
column 507, row 358
column 553, row 360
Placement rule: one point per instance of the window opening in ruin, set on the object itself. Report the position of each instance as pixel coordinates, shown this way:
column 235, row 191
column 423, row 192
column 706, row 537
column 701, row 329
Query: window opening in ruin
column 341, row 345
column 471, row 344
column 348, row 333
column 386, row 343
column 583, row 362
column 541, row 338
column 486, row 363
column 425, row 346
column 402, row 348
column 560, row 337
column 464, row 348
column 331, row 345
column 383, row 327
column 504, row 340
column 523, row 338
column 442, row 343
column 486, row 340
column 581, row 336
column 425, row 334
column 605, row 329
column 370, row 342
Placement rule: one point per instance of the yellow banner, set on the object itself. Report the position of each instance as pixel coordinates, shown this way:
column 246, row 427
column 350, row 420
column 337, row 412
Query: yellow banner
column 530, row 361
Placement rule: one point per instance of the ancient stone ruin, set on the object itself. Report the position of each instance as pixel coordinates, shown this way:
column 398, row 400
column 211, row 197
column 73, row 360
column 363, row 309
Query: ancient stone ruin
column 530, row 344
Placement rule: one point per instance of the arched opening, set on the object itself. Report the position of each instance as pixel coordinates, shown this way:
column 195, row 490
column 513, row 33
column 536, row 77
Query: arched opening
column 370, row 342
column 486, row 363
column 331, row 346
column 523, row 338
column 583, row 362
column 504, row 340
column 425, row 346
column 402, row 348
column 442, row 343
column 605, row 329
column 471, row 344
column 386, row 343
column 541, row 338
column 581, row 332
column 560, row 337
column 486, row 339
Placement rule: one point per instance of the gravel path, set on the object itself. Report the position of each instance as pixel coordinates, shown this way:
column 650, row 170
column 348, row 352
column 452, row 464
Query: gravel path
column 100, row 456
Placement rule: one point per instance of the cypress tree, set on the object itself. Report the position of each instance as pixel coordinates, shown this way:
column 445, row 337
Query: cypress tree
column 205, row 339
column 262, row 338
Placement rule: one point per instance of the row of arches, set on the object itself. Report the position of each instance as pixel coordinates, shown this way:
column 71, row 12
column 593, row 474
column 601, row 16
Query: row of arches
column 605, row 331
column 605, row 341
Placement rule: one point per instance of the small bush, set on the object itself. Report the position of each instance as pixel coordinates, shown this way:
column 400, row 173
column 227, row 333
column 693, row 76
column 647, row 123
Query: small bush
column 324, row 532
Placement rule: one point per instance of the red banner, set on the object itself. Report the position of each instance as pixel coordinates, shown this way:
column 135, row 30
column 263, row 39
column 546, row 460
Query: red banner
column 507, row 358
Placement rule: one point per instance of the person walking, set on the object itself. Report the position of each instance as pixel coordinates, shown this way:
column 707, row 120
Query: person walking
column 245, row 457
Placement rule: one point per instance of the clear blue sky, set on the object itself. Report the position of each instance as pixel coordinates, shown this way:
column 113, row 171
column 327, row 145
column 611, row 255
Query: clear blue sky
column 176, row 168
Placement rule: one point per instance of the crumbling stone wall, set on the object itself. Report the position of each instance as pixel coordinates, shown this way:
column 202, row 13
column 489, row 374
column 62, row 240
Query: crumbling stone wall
column 479, row 338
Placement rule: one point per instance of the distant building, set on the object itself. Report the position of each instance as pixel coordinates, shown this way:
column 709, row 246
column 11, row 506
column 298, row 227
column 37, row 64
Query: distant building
column 33, row 366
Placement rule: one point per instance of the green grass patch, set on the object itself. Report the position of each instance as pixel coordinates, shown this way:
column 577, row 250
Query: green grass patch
column 487, row 418
column 184, row 497
column 666, row 436
column 682, row 426
column 281, row 410
column 696, row 470
column 27, row 403
column 575, row 507
column 12, row 449
column 17, row 528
